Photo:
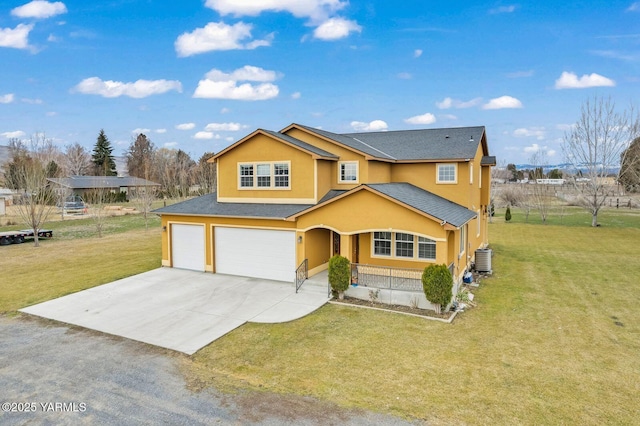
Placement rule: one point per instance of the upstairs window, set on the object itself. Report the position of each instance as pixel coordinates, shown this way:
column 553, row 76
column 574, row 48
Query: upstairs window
column 281, row 173
column 246, row 175
column 348, row 172
column 447, row 173
column 264, row 175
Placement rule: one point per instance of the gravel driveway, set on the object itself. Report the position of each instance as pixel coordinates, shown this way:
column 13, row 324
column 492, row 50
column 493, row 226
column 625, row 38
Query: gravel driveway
column 70, row 376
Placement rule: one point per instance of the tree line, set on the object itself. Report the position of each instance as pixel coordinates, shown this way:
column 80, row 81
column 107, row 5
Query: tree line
column 177, row 173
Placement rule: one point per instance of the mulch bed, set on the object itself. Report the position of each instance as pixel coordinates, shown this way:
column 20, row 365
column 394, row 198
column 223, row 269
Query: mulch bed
column 396, row 308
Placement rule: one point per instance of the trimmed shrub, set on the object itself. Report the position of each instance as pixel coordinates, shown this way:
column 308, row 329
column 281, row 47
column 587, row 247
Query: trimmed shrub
column 507, row 214
column 339, row 274
column 437, row 284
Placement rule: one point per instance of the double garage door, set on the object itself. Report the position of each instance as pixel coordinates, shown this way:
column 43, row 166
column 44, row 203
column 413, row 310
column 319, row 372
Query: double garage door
column 258, row 253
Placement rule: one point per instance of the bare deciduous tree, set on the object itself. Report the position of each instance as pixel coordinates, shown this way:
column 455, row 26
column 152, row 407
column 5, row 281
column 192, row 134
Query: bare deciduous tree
column 97, row 199
column 540, row 197
column 594, row 146
column 77, row 160
column 27, row 173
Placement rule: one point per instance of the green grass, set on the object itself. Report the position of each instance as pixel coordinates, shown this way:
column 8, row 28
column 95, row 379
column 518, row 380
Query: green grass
column 555, row 340
column 75, row 259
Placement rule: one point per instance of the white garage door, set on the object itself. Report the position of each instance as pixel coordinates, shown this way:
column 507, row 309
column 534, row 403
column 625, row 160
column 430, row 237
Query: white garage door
column 187, row 246
column 256, row 253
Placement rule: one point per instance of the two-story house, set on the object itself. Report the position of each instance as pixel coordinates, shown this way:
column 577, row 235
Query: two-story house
column 402, row 199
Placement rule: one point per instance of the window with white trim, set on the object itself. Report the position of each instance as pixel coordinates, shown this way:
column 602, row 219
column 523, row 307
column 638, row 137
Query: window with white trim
column 246, row 175
column 382, row 243
column 348, row 172
column 478, row 222
column 264, row 175
column 446, row 173
column 479, row 177
column 463, row 238
column 281, row 172
column 426, row 248
column 471, row 173
column 404, row 245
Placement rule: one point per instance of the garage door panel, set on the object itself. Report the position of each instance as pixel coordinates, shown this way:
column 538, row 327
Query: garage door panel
column 188, row 247
column 256, row 253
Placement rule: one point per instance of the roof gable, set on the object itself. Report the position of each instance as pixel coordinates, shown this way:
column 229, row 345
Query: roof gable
column 286, row 139
column 412, row 197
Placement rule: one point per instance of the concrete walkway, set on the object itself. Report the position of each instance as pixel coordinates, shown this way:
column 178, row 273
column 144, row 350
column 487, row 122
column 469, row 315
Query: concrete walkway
column 181, row 310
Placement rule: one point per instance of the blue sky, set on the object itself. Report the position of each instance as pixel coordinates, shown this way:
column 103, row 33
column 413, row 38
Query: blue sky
column 198, row 75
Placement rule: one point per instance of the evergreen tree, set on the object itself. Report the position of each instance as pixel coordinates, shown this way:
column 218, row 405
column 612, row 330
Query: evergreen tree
column 140, row 157
column 102, row 158
column 629, row 175
column 507, row 215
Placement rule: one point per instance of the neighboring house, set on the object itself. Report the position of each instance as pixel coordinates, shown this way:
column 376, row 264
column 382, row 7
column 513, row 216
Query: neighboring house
column 402, row 199
column 79, row 185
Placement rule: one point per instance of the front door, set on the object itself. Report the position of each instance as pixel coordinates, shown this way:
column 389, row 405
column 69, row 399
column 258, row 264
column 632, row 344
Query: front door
column 336, row 243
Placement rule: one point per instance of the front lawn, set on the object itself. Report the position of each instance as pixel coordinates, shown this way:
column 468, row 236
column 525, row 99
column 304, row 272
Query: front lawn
column 76, row 259
column 555, row 340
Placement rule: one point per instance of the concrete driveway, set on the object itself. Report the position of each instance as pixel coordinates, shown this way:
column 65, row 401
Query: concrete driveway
column 181, row 310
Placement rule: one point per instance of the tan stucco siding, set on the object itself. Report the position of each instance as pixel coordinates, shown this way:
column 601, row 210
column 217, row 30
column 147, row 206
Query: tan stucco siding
column 324, row 177
column 379, row 172
column 317, row 247
column 365, row 211
column 344, row 154
column 264, row 149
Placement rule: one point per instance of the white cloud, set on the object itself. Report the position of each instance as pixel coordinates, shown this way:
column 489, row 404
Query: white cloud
column 7, row 99
column 138, row 89
column 140, row 130
column 532, row 149
column 447, row 103
column 296, row 95
column 317, row 10
column 536, row 132
column 503, row 9
column 427, row 118
column 170, row 144
column 186, row 126
column 503, row 102
column 17, row 38
column 218, row 36
column 405, row 76
column 161, row 131
column 39, row 9
column 203, row 135
column 634, row 7
column 336, row 28
column 417, row 53
column 221, row 85
column 223, row 127
column 225, row 111
column 16, row 134
column 569, row 80
column 449, row 117
column 374, row 126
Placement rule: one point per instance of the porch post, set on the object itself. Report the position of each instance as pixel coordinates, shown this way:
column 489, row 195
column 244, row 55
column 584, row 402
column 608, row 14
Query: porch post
column 346, row 247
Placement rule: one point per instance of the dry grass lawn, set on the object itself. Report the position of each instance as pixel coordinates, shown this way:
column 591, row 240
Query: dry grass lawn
column 555, row 340
column 64, row 264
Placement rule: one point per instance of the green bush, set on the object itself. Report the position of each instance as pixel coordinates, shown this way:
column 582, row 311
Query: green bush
column 507, row 214
column 437, row 284
column 339, row 274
